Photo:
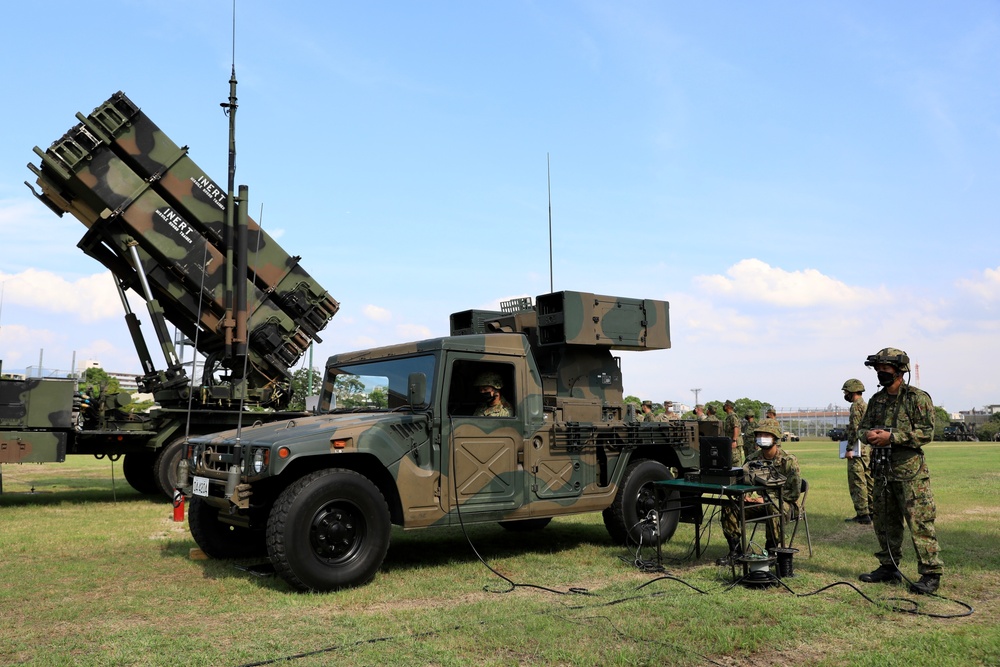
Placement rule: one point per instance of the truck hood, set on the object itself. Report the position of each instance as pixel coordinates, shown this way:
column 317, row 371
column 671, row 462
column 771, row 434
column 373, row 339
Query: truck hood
column 293, row 432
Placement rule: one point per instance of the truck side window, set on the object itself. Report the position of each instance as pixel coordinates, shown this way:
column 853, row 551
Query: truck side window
column 473, row 391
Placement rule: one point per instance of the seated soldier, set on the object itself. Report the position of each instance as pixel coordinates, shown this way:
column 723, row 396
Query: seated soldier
column 494, row 404
column 773, row 466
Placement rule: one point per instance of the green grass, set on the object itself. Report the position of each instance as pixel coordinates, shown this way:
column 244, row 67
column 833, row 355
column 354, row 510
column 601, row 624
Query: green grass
column 95, row 575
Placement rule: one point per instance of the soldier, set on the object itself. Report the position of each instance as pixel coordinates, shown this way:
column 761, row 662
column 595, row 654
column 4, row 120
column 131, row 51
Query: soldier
column 494, row 404
column 859, row 473
column 647, row 411
column 771, row 414
column 898, row 422
column 711, row 416
column 699, row 412
column 731, row 429
column 667, row 414
column 780, row 464
column 746, row 428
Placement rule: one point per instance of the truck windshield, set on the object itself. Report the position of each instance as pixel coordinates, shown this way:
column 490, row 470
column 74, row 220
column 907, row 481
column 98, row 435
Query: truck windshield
column 374, row 385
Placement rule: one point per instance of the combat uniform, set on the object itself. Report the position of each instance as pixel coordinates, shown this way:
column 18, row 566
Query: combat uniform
column 729, row 427
column 902, row 481
column 749, row 446
column 859, row 472
column 503, row 409
column 783, row 464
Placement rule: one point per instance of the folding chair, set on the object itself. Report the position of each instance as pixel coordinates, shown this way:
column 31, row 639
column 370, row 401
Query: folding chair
column 799, row 514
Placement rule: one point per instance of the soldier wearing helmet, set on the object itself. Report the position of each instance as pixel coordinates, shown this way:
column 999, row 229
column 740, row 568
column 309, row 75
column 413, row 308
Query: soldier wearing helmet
column 647, row 411
column 494, row 404
column 777, row 464
column 858, row 454
column 667, row 414
column 898, row 422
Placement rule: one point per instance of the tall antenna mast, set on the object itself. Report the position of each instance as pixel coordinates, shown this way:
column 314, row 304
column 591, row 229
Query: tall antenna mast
column 548, row 178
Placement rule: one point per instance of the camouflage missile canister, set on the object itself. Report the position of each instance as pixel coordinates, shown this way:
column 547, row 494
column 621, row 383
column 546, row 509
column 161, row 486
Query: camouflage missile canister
column 120, row 175
column 35, row 418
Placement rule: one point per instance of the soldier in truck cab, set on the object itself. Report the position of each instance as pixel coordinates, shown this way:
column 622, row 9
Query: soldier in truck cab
column 494, row 404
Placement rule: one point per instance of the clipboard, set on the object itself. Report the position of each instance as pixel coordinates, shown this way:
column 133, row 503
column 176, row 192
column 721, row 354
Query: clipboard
column 843, row 448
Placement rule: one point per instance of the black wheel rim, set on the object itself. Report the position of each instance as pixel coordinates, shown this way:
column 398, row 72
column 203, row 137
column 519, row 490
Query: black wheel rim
column 337, row 532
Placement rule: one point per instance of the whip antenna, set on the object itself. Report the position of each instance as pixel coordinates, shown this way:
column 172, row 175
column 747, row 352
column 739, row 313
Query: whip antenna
column 548, row 178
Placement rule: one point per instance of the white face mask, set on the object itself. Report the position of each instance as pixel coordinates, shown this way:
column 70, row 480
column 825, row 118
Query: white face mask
column 764, row 441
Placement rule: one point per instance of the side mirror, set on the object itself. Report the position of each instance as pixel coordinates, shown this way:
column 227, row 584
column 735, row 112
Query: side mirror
column 416, row 389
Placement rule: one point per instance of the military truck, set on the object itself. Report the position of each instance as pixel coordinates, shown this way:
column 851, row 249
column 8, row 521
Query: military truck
column 190, row 250
column 319, row 494
column 960, row 432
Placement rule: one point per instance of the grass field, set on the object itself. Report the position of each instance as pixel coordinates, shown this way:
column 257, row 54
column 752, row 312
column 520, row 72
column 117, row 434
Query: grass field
column 94, row 574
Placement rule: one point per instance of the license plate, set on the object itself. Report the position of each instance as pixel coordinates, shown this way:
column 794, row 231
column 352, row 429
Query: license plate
column 199, row 486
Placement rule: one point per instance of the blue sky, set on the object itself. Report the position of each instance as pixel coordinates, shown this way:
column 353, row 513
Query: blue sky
column 805, row 183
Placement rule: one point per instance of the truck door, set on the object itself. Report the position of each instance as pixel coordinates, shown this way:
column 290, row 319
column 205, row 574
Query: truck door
column 482, row 442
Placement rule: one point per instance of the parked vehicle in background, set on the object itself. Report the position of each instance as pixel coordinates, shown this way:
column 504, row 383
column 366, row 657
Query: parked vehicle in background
column 837, row 433
column 960, row 432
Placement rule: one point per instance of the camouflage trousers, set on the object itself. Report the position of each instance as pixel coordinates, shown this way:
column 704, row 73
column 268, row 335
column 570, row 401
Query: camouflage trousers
column 731, row 520
column 903, row 494
column 738, row 457
column 749, row 447
column 860, row 481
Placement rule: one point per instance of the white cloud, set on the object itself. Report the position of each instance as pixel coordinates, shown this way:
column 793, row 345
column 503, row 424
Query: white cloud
column 413, row 332
column 376, row 313
column 753, row 280
column 90, row 298
column 987, row 287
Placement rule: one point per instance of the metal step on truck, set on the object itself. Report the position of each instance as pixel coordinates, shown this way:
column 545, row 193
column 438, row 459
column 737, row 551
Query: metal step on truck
column 403, row 436
column 189, row 249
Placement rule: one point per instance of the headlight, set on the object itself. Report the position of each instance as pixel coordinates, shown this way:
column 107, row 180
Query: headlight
column 260, row 460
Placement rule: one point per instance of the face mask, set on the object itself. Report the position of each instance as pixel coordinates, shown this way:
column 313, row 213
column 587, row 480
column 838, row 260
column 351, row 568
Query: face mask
column 886, row 378
column 847, row 397
column 764, row 441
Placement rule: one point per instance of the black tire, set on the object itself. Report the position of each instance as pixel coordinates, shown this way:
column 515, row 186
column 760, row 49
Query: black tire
column 138, row 470
column 165, row 470
column 525, row 525
column 329, row 530
column 222, row 540
column 633, row 502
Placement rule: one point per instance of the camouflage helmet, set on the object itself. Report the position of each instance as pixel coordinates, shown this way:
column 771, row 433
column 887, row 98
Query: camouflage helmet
column 768, row 426
column 647, row 404
column 488, row 379
column 892, row 356
column 854, row 386
column 728, row 404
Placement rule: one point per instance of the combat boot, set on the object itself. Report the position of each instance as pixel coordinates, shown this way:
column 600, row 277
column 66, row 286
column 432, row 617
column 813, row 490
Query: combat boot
column 735, row 549
column 884, row 573
column 928, row 584
column 865, row 520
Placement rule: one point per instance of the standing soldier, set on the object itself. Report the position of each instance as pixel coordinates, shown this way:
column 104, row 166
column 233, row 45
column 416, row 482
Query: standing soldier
column 859, row 472
column 711, row 416
column 731, row 429
column 699, row 412
column 899, row 421
column 647, row 411
column 746, row 428
column 668, row 412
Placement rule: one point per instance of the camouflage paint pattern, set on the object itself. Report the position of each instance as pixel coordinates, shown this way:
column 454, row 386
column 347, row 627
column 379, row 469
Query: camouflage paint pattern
column 563, row 451
column 35, row 418
column 130, row 184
